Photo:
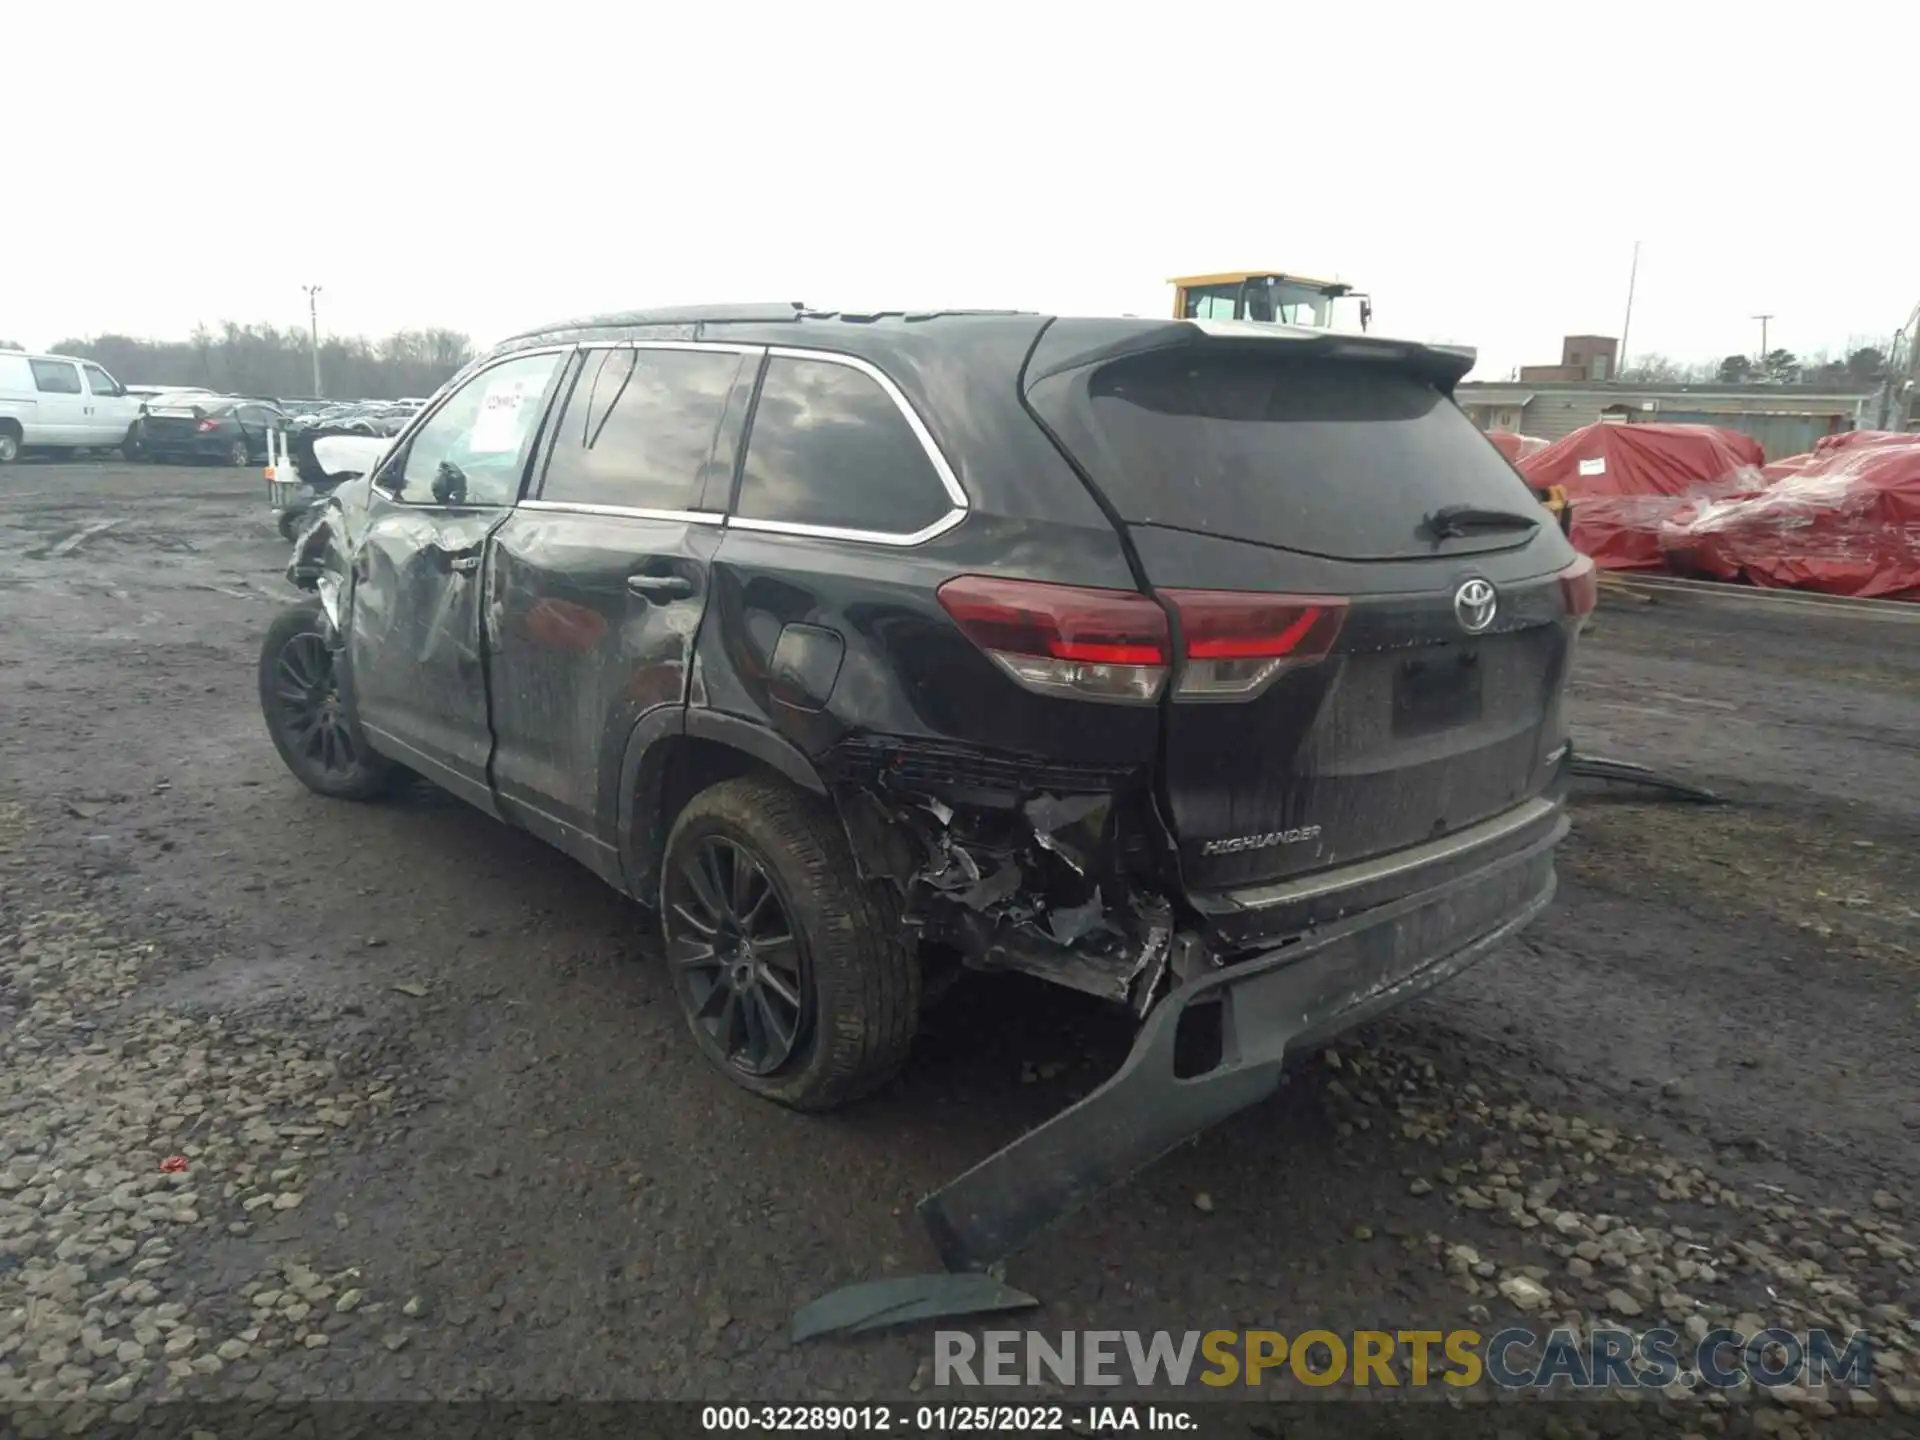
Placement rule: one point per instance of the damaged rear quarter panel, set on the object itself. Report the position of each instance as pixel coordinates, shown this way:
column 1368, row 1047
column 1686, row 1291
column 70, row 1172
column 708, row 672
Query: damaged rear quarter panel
column 907, row 670
column 1013, row 825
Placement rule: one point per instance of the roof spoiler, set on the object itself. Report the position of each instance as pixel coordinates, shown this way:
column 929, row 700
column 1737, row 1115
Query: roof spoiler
column 1071, row 345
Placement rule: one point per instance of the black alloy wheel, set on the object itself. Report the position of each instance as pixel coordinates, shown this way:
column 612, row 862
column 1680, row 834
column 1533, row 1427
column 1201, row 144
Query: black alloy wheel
column 742, row 962
column 312, row 718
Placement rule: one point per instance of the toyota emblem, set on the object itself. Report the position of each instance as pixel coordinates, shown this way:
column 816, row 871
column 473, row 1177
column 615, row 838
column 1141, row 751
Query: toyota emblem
column 1474, row 604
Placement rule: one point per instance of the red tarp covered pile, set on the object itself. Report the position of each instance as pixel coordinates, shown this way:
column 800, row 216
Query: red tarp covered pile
column 1623, row 480
column 1844, row 520
column 1516, row 447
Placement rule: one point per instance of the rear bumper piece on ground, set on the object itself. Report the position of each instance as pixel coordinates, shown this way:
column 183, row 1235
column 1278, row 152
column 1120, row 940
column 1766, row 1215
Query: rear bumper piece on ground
column 1280, row 1001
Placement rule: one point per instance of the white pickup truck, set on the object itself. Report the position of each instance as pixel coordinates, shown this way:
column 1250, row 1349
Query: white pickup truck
column 57, row 402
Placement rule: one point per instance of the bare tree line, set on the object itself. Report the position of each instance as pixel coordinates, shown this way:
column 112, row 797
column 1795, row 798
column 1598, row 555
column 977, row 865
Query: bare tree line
column 268, row 360
column 1858, row 363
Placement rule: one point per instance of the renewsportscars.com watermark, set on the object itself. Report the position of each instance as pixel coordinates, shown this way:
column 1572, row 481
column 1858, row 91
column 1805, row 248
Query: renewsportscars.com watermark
column 1512, row 1359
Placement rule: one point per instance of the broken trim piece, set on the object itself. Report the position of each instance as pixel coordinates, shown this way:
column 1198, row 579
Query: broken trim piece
column 904, row 1299
column 1270, row 1004
column 1597, row 767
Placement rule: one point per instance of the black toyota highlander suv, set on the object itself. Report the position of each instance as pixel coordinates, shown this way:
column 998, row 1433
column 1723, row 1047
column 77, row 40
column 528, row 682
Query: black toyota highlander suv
column 1210, row 668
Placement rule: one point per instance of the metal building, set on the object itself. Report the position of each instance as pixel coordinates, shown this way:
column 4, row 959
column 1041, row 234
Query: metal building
column 1785, row 419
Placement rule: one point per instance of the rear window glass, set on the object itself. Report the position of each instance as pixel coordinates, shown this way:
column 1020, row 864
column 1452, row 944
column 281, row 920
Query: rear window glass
column 830, row 447
column 1337, row 459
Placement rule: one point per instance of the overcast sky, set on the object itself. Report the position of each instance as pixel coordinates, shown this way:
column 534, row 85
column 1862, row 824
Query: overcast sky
column 1483, row 170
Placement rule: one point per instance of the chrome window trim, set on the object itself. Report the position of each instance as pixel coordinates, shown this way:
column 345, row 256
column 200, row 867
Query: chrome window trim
column 438, row 403
column 948, row 480
column 621, row 512
column 725, row 347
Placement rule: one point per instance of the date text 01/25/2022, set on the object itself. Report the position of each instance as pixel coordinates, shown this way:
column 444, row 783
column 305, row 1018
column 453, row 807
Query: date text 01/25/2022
column 946, row 1419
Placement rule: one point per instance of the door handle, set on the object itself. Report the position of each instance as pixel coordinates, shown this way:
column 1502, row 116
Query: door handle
column 464, row 563
column 660, row 587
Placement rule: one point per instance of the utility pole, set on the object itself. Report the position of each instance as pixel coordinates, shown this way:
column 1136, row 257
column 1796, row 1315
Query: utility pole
column 1627, row 324
column 313, row 323
column 1764, row 352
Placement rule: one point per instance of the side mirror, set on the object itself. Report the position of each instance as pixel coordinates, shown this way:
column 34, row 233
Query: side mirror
column 450, row 484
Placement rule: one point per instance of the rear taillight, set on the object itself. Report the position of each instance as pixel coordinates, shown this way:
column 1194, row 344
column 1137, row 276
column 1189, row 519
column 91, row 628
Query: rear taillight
column 1580, row 587
column 1065, row 639
column 209, row 425
column 1236, row 642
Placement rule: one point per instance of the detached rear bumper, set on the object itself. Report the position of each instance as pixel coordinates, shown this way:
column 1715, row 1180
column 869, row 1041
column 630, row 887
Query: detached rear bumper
column 1264, row 1006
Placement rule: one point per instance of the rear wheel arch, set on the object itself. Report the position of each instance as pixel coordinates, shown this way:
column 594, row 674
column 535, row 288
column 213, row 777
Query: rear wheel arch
column 672, row 755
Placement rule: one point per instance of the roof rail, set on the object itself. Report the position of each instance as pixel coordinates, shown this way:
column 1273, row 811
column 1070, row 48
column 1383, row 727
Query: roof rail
column 756, row 314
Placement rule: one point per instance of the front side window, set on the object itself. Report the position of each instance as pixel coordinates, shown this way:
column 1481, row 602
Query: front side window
column 100, row 382
column 638, row 428
column 473, row 449
column 831, row 448
column 55, row 377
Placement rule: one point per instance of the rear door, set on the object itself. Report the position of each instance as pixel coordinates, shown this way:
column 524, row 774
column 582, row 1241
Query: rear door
column 417, row 664
column 1353, row 680
column 61, row 414
column 598, row 580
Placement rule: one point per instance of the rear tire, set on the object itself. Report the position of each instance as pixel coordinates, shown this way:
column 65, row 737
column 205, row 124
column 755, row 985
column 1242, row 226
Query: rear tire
column 238, row 454
column 307, row 717
column 858, row 981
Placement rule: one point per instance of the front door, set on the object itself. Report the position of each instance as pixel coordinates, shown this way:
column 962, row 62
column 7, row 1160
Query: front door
column 110, row 410
column 599, row 579
column 415, row 660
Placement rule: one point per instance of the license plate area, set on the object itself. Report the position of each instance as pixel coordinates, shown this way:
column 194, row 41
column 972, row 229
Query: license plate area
column 1437, row 690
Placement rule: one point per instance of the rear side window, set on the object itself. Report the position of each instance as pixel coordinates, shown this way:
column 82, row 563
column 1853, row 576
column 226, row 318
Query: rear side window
column 639, row 427
column 1343, row 459
column 830, row 447
column 55, row 377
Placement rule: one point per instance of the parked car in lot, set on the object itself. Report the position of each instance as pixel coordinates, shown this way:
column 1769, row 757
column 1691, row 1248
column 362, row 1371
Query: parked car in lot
column 220, row 429
column 1211, row 668
column 60, row 403
column 171, row 398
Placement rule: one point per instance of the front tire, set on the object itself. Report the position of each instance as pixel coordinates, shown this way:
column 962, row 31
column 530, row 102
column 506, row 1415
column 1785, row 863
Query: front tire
column 791, row 970
column 306, row 714
column 9, row 447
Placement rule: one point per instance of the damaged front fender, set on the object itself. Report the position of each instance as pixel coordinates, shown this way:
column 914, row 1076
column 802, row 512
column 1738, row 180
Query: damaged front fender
column 325, row 550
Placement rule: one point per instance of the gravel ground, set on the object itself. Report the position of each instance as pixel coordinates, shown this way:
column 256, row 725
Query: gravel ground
column 306, row 1099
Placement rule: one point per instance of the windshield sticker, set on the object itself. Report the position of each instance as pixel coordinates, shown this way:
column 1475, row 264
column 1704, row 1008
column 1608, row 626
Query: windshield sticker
column 503, row 414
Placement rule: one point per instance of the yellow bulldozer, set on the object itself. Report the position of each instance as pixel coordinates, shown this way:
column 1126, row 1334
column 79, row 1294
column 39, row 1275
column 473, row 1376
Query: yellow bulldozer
column 1272, row 296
